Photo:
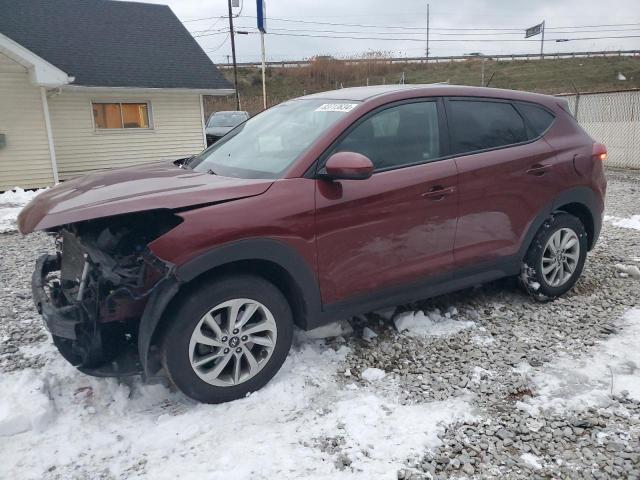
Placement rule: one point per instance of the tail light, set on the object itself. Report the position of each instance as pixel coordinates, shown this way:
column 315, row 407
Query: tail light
column 599, row 151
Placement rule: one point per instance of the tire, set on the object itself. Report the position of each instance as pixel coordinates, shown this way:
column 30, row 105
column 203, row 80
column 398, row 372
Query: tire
column 541, row 263
column 198, row 341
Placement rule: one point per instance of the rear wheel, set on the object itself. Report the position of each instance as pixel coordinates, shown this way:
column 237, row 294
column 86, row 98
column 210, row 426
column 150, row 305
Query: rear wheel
column 556, row 257
column 229, row 338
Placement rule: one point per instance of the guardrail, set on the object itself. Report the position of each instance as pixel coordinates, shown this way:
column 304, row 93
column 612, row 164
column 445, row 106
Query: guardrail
column 455, row 58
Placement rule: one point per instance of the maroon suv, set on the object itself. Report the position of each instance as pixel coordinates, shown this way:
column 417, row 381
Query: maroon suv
column 316, row 209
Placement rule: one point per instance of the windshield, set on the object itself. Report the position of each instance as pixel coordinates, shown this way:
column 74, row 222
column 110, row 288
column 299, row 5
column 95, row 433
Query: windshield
column 226, row 119
column 267, row 144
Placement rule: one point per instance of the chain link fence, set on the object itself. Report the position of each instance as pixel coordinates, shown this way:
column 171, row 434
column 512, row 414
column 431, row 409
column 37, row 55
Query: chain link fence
column 612, row 118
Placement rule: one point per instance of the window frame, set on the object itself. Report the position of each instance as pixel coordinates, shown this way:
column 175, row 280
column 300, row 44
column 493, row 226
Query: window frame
column 511, row 102
column 526, row 120
column 316, row 170
column 97, row 129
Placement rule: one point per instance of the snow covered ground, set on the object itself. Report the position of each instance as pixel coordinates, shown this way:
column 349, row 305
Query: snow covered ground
column 55, row 419
column 632, row 222
column 11, row 202
column 483, row 383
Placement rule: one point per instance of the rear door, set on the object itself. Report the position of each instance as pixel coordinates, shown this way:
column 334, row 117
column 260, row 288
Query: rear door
column 507, row 175
column 398, row 226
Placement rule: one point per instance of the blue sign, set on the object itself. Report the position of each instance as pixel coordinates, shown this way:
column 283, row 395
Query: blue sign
column 261, row 8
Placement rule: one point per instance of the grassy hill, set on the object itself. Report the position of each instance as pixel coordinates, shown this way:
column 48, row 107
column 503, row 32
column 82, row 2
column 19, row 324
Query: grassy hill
column 546, row 76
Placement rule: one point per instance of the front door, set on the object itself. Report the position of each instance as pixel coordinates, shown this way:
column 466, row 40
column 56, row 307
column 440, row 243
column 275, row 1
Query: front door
column 398, row 226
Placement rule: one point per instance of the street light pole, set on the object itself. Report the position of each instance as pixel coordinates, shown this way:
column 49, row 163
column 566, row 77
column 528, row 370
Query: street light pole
column 233, row 54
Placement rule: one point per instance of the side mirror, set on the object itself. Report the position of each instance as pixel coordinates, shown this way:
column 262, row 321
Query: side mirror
column 348, row 166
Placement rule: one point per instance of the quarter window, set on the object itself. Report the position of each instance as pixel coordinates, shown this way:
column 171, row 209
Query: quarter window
column 397, row 136
column 120, row 115
column 538, row 118
column 480, row 125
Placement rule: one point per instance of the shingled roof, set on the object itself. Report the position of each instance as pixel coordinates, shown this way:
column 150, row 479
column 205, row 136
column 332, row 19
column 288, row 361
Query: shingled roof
column 107, row 43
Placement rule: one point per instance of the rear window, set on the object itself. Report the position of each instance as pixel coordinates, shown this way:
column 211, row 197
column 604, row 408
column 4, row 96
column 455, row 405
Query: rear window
column 538, row 118
column 481, row 125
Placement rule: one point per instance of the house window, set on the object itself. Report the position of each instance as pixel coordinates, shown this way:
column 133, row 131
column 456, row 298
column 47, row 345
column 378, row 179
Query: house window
column 120, row 115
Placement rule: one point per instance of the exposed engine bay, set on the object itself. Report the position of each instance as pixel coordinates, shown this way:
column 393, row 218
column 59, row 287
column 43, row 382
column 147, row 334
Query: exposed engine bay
column 94, row 289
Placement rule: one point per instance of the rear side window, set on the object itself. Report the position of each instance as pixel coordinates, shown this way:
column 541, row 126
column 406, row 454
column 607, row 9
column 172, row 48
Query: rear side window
column 538, row 118
column 480, row 125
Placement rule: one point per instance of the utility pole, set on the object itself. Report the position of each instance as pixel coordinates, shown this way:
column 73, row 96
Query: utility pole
column 233, row 54
column 264, row 78
column 427, row 55
column 542, row 43
column 482, row 71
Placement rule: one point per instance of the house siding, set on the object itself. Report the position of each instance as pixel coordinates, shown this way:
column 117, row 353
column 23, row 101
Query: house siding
column 176, row 131
column 25, row 160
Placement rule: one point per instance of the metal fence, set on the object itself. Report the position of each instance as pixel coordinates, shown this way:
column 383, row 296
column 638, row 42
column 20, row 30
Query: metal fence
column 612, row 118
column 453, row 58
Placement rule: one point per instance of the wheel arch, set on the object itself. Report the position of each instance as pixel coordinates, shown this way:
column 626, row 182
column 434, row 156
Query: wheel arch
column 579, row 201
column 585, row 216
column 583, row 203
column 272, row 260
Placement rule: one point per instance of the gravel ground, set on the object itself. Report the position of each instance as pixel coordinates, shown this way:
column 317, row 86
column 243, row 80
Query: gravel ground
column 497, row 362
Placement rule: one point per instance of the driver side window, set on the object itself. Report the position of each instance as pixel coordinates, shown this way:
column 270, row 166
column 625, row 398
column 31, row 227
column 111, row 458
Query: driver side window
column 402, row 135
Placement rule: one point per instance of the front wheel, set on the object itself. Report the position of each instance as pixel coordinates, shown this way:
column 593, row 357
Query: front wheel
column 556, row 257
column 228, row 338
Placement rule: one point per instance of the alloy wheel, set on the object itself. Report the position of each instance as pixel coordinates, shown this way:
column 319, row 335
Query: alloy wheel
column 232, row 342
column 560, row 257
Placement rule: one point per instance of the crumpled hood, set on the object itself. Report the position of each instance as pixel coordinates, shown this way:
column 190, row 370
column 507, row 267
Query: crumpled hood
column 148, row 186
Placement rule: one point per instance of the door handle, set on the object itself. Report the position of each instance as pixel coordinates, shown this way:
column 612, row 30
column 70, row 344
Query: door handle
column 539, row 169
column 438, row 192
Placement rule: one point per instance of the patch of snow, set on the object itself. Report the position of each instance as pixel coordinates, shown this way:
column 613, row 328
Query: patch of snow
column 478, row 374
column 82, row 426
column 11, row 202
column 531, row 460
column 625, row 271
column 25, row 404
column 631, row 222
column 432, row 323
column 482, row 340
column 368, row 334
column 372, row 374
column 577, row 383
column 330, row 330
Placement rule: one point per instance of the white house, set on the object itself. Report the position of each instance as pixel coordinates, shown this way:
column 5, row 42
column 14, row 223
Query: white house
column 94, row 84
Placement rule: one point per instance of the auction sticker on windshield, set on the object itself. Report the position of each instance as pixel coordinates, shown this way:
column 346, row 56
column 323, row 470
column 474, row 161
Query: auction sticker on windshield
column 336, row 107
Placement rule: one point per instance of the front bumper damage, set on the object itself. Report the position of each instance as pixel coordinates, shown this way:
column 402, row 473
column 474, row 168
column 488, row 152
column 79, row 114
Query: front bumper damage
column 92, row 302
column 61, row 321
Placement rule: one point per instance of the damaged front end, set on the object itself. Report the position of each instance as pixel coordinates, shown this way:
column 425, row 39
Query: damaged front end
column 93, row 291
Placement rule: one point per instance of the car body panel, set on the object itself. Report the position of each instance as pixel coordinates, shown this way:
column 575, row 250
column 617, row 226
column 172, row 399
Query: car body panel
column 279, row 218
column 157, row 185
column 384, row 231
column 499, row 199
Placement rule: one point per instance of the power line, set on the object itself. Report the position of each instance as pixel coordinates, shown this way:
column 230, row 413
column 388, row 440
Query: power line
column 292, row 20
column 219, row 46
column 302, row 30
column 442, row 39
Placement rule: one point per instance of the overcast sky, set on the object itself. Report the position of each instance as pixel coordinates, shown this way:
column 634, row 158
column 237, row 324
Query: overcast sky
column 379, row 15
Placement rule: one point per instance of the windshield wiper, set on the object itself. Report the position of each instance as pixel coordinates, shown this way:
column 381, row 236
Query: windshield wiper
column 185, row 162
column 211, row 172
